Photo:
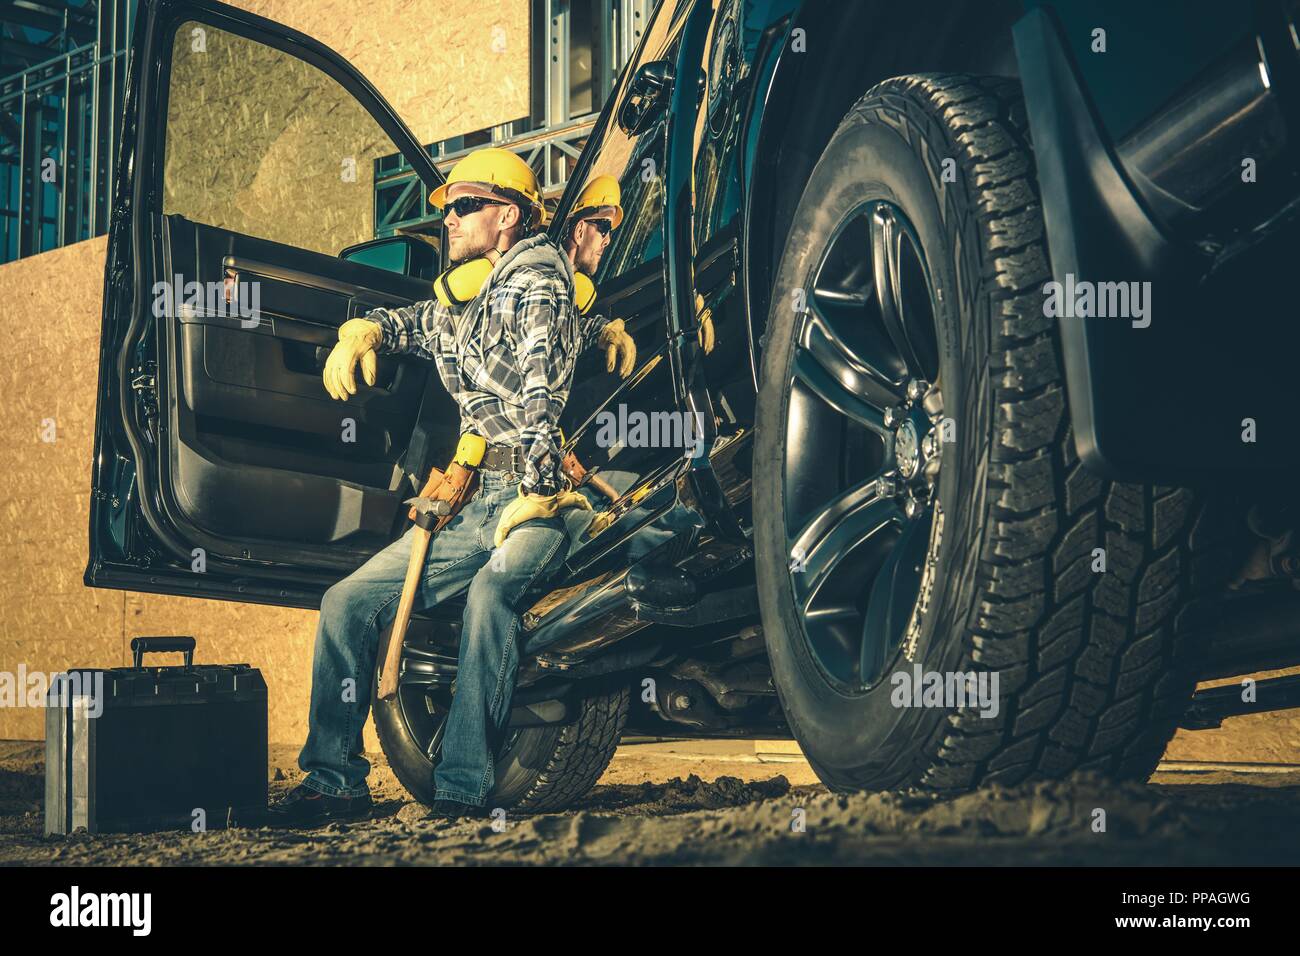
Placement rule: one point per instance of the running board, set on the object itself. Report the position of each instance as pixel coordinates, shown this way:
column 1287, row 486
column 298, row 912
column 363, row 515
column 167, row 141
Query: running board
column 596, row 618
column 1209, row 708
column 671, row 596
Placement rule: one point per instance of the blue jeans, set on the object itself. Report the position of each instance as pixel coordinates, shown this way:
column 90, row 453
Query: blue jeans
column 356, row 610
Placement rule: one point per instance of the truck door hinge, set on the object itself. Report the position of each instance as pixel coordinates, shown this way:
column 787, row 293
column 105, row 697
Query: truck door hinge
column 145, row 385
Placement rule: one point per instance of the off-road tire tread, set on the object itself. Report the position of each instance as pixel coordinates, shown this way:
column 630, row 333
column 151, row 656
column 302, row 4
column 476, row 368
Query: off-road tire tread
column 579, row 755
column 1092, row 665
column 582, row 752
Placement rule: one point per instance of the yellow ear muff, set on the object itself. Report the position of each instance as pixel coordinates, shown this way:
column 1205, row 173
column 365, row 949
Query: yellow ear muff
column 584, row 292
column 459, row 284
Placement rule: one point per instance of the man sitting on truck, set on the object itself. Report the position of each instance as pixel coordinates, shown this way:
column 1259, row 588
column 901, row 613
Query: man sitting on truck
column 504, row 337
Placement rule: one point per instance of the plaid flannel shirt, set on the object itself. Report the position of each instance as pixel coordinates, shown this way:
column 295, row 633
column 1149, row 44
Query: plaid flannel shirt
column 511, row 375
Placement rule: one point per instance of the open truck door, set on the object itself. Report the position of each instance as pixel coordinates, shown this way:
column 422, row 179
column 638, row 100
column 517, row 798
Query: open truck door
column 222, row 467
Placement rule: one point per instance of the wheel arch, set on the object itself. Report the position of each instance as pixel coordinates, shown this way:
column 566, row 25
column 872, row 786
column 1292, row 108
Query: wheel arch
column 850, row 48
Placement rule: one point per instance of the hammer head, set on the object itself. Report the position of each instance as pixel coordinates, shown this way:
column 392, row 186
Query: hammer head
column 429, row 506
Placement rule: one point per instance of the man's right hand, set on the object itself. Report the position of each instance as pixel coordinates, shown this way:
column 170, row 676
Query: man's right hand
column 358, row 341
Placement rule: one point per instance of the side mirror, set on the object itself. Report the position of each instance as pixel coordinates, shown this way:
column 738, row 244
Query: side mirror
column 405, row 255
column 647, row 96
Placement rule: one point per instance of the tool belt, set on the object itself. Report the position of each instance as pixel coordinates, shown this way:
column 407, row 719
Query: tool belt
column 446, row 492
column 511, row 458
column 504, row 458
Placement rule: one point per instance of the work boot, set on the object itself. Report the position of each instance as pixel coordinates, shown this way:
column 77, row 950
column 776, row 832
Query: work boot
column 455, row 810
column 305, row 807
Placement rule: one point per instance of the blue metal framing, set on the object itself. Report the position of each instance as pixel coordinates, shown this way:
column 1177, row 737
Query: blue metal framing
column 69, row 108
column 551, row 139
column 61, row 120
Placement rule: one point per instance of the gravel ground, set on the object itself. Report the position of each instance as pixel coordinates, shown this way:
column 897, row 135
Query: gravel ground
column 653, row 807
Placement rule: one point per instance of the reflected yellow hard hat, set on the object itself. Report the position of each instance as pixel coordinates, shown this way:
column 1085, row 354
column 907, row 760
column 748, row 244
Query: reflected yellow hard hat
column 601, row 191
column 501, row 171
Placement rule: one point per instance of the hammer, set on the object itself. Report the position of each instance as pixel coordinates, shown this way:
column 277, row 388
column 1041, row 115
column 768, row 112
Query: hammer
column 442, row 496
column 428, row 509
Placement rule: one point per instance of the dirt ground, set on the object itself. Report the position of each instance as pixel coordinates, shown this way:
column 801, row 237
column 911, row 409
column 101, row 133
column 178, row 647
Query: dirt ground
column 701, row 803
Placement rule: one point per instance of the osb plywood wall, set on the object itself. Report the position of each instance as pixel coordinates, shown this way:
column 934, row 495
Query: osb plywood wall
column 262, row 143
column 51, row 620
column 447, row 67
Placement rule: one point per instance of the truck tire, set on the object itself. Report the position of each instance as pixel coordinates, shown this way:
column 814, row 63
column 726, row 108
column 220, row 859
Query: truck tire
column 538, row 769
column 957, row 533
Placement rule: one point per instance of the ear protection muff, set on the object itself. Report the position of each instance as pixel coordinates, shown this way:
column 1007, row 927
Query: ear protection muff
column 584, row 292
column 457, row 285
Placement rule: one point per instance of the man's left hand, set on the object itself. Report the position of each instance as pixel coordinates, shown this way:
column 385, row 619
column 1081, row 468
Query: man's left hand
column 619, row 348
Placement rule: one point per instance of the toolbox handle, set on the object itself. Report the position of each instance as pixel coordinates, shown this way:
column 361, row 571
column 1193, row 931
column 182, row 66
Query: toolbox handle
column 152, row 645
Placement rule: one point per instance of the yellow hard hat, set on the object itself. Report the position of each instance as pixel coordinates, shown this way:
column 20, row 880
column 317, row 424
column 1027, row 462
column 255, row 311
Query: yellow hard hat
column 601, row 191
column 498, row 170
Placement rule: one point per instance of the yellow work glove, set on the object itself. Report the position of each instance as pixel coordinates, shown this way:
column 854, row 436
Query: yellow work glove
column 358, row 341
column 527, row 507
column 619, row 348
column 704, row 319
column 705, row 334
column 600, row 523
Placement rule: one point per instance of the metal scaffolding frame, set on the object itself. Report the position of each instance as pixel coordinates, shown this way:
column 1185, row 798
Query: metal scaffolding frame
column 60, row 120
column 549, row 140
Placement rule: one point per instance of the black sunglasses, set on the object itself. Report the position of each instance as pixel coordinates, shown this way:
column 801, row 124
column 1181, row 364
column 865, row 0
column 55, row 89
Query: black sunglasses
column 468, row 205
column 602, row 226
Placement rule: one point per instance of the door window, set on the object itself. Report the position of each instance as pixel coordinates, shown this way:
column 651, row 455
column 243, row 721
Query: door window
column 637, row 163
column 264, row 144
column 634, row 430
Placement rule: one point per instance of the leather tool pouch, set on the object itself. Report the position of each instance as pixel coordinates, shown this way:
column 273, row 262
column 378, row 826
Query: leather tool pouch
column 455, row 486
column 572, row 469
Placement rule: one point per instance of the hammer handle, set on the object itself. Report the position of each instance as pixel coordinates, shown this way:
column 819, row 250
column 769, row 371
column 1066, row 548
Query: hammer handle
column 602, row 486
column 388, row 674
column 579, row 475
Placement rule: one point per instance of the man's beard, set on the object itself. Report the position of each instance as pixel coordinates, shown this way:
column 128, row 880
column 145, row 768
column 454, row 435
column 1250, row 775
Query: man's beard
column 480, row 250
column 587, row 263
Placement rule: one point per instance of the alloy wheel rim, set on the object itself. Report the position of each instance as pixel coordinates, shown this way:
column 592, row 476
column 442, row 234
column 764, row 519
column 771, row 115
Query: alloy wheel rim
column 864, row 443
column 424, row 700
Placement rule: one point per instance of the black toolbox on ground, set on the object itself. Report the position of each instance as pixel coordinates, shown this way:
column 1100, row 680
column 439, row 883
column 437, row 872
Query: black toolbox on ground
column 146, row 748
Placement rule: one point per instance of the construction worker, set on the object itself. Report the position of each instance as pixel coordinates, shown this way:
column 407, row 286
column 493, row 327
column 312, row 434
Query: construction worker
column 504, row 337
column 596, row 213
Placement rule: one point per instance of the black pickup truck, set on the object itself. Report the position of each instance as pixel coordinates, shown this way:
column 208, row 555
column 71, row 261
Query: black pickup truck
column 1001, row 378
